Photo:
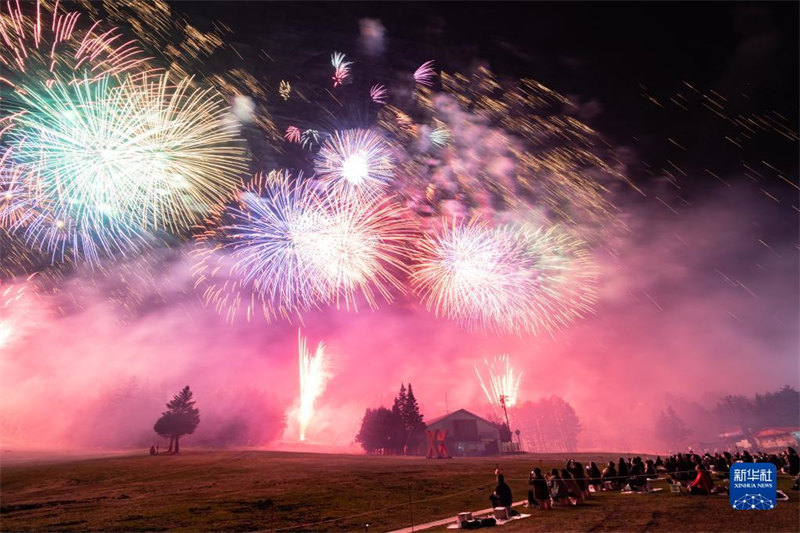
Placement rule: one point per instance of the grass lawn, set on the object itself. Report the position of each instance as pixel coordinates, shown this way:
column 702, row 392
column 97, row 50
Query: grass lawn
column 257, row 490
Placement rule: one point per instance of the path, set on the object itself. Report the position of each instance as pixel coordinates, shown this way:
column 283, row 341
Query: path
column 447, row 521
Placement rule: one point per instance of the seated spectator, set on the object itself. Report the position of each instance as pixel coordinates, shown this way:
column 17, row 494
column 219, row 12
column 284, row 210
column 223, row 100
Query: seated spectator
column 538, row 492
column 637, row 481
column 609, row 476
column 793, row 462
column 558, row 489
column 650, row 469
column 594, row 475
column 573, row 490
column 622, row 468
column 659, row 462
column 501, row 497
column 702, row 484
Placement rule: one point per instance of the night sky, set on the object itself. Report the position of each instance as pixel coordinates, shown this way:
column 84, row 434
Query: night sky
column 697, row 298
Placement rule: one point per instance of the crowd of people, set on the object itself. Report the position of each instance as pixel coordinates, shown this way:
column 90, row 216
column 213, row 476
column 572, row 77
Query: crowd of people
column 573, row 484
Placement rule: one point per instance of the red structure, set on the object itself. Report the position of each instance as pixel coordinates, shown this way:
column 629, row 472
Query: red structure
column 436, row 447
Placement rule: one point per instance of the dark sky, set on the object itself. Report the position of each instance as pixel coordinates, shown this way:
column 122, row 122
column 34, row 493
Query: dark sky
column 747, row 52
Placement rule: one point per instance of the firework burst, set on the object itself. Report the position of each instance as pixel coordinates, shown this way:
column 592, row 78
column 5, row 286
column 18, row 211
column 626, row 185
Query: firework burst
column 313, row 378
column 378, row 94
column 355, row 160
column 116, row 163
column 509, row 279
column 287, row 248
column 424, row 74
column 341, row 68
column 501, row 381
column 293, row 134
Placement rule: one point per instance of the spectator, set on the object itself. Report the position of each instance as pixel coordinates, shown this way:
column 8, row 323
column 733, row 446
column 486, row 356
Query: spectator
column 650, row 469
column 594, row 476
column 573, row 490
column 538, row 492
column 793, row 461
column 702, row 484
column 637, row 481
column 501, row 497
column 558, row 489
column 609, row 477
column 622, row 468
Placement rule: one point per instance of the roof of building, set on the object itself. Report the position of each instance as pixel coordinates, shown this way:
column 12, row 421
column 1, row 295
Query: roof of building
column 429, row 423
column 774, row 431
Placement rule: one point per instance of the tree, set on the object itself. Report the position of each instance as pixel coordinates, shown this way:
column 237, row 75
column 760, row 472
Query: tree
column 671, row 429
column 412, row 420
column 549, row 425
column 181, row 418
column 381, row 430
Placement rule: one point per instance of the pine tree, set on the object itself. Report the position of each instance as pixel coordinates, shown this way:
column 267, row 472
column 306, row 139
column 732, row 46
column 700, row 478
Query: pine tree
column 181, row 418
column 400, row 402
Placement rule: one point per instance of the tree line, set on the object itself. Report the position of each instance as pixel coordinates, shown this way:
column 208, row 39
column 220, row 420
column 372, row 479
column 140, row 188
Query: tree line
column 399, row 430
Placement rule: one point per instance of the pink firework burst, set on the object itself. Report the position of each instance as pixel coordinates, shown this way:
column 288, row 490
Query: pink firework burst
column 293, row 134
column 378, row 94
column 341, row 68
column 424, row 74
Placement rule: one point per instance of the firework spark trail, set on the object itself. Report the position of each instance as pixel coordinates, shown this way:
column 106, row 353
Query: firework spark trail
column 34, row 50
column 17, row 313
column 424, row 74
column 106, row 165
column 378, row 94
column 501, row 381
column 313, row 379
column 508, row 279
column 288, row 248
column 355, row 160
column 341, row 68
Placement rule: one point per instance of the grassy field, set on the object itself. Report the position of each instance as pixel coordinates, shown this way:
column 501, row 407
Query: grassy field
column 256, row 490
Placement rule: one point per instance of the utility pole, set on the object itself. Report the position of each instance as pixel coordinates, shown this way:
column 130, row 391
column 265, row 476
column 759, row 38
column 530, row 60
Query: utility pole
column 503, row 399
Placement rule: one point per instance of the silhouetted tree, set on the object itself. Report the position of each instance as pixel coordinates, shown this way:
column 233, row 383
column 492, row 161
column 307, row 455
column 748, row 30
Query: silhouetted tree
column 181, row 418
column 671, row 429
column 381, row 430
column 548, row 425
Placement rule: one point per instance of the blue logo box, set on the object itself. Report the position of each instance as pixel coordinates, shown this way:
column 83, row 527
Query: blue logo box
column 753, row 486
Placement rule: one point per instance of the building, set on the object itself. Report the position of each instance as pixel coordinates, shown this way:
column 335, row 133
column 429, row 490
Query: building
column 467, row 434
column 775, row 439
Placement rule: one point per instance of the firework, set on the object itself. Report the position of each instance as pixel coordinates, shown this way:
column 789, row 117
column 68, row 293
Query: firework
column 355, row 160
column 424, row 74
column 501, row 381
column 378, row 94
column 510, row 279
column 440, row 136
column 46, row 44
column 287, row 249
column 115, row 162
column 293, row 134
column 284, row 89
column 341, row 68
column 310, row 138
column 313, row 378
column 18, row 313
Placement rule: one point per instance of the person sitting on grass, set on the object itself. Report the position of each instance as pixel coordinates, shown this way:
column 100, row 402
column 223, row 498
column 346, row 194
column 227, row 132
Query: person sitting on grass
column 501, row 497
column 792, row 462
column 637, row 481
column 573, row 489
column 558, row 489
column 593, row 474
column 609, row 477
column 702, row 484
column 650, row 469
column 538, row 493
